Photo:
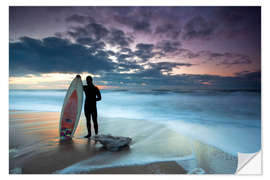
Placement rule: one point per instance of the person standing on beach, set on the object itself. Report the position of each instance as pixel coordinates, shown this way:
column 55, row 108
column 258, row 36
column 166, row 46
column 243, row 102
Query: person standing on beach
column 93, row 95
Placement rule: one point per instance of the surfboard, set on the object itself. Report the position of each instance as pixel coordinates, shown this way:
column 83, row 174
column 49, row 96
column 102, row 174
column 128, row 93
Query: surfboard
column 71, row 109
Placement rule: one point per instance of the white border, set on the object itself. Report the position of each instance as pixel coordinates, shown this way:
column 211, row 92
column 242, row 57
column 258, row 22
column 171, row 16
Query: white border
column 4, row 72
column 138, row 2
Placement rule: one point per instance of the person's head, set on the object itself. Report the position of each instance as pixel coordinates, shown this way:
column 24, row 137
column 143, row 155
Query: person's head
column 89, row 80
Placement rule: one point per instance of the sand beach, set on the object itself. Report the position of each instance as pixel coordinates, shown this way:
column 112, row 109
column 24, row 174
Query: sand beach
column 34, row 148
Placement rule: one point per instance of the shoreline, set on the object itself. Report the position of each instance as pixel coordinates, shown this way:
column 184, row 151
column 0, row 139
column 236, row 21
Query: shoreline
column 52, row 155
column 53, row 161
column 166, row 167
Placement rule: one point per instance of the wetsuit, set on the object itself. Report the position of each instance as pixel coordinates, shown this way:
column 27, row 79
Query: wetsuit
column 93, row 95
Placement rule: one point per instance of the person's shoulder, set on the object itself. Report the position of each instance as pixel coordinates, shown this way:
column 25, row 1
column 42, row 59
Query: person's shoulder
column 96, row 87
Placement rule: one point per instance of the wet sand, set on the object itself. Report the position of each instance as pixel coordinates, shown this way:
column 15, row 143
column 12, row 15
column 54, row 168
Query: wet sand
column 34, row 148
column 45, row 157
column 152, row 168
column 51, row 160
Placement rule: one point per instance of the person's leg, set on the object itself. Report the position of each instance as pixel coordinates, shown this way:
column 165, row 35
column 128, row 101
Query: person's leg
column 87, row 114
column 94, row 118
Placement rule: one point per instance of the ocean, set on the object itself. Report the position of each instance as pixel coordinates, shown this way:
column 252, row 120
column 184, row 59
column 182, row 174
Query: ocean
column 227, row 120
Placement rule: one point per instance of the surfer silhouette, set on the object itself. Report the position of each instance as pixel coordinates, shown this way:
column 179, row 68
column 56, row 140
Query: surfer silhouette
column 93, row 95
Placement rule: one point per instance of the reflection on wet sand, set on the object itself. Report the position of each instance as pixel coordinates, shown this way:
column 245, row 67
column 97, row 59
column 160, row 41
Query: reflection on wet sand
column 36, row 148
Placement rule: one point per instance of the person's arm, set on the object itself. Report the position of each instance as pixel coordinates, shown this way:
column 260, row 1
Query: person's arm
column 98, row 95
column 84, row 88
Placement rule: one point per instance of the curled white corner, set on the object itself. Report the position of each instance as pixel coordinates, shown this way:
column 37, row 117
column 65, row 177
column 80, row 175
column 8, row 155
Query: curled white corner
column 249, row 163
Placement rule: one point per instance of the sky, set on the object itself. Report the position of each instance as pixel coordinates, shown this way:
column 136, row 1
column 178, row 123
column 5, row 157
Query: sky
column 135, row 47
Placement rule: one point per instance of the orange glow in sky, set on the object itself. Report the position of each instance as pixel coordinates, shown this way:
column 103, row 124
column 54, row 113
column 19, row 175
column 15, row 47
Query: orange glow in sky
column 48, row 81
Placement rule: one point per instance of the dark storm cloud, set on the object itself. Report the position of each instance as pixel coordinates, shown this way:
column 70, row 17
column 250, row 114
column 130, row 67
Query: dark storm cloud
column 249, row 75
column 251, row 80
column 222, row 23
column 126, row 50
column 134, row 22
column 121, row 43
column 167, row 66
column 199, row 28
column 144, row 51
column 127, row 66
column 153, row 75
column 168, row 30
column 168, row 46
column 241, row 16
column 232, row 17
column 53, row 54
column 159, row 20
column 94, row 45
column 98, row 30
column 226, row 59
column 218, row 82
column 190, row 22
column 125, row 54
column 170, row 23
column 193, row 22
column 142, row 26
column 157, row 69
column 77, row 32
column 85, row 41
column 154, row 78
column 118, row 37
column 145, row 47
column 124, row 57
column 229, row 59
column 240, row 22
column 93, row 32
column 77, row 18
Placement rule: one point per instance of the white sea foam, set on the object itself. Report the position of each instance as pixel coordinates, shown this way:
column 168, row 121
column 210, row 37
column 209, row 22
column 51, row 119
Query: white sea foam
column 230, row 121
column 99, row 162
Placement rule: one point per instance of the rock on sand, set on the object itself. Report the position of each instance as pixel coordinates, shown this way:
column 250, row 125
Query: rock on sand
column 112, row 143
